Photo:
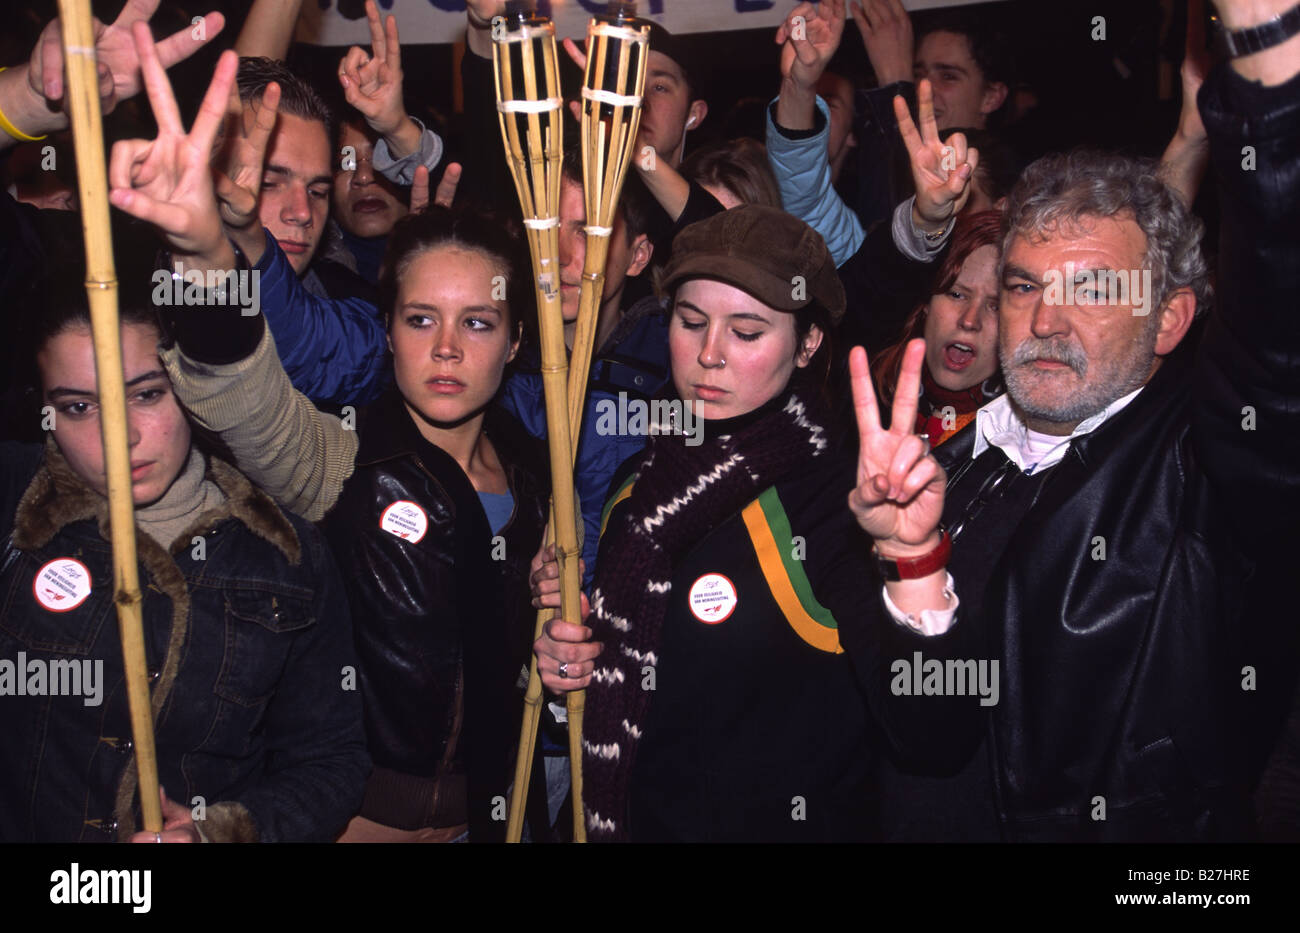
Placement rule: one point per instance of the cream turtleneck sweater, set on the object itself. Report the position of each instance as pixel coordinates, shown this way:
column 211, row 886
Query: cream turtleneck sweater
column 189, row 496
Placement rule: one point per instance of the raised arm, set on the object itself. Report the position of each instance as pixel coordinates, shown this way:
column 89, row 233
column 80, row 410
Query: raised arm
column 372, row 83
column 31, row 95
column 798, row 125
column 886, row 30
column 268, row 29
column 1248, row 404
column 898, row 501
column 486, row 180
column 1188, row 153
column 167, row 182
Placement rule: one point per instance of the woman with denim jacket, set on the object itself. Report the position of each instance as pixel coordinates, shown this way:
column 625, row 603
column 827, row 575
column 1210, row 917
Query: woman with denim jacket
column 247, row 636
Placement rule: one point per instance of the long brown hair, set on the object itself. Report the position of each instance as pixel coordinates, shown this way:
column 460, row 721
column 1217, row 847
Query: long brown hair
column 969, row 233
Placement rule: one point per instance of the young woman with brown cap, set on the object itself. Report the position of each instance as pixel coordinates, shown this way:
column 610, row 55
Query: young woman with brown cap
column 735, row 622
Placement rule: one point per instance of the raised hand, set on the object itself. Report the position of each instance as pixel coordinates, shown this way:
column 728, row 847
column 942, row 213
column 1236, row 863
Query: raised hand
column 373, row 82
column 119, row 65
column 808, row 46
column 899, row 496
column 887, row 34
column 168, row 181
column 238, row 169
column 941, row 171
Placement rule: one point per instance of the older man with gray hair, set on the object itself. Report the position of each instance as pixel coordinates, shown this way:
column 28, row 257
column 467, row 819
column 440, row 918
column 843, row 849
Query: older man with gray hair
column 1100, row 522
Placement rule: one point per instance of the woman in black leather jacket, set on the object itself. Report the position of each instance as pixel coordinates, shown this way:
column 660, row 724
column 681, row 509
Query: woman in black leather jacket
column 436, row 526
column 433, row 499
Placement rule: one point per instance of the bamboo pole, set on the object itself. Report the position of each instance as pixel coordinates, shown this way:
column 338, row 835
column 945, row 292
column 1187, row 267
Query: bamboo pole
column 616, row 65
column 82, row 97
column 534, row 155
column 611, row 115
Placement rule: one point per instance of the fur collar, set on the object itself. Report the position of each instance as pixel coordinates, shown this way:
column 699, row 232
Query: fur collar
column 57, row 497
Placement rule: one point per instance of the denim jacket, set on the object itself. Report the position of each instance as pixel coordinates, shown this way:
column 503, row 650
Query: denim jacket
column 248, row 642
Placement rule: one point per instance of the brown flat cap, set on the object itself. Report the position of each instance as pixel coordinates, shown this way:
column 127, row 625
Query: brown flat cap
column 764, row 251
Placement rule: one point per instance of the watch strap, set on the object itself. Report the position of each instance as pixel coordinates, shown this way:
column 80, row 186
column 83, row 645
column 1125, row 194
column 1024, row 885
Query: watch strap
column 1271, row 32
column 913, row 568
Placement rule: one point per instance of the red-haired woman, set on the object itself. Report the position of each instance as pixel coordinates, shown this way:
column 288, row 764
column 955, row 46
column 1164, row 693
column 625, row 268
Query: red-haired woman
column 960, row 326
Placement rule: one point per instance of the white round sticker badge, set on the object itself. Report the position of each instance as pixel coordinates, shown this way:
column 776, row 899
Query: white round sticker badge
column 712, row 598
column 406, row 520
column 62, row 584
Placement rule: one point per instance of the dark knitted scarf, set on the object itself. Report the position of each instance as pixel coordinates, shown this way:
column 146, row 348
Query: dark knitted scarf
column 964, row 403
column 681, row 494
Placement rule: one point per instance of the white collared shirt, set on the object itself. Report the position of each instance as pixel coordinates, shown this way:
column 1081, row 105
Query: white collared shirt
column 998, row 425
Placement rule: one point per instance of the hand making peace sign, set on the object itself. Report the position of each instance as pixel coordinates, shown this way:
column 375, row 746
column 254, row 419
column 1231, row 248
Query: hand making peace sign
column 942, row 171
column 373, row 82
column 168, row 181
column 238, row 168
column 899, row 496
column 119, row 70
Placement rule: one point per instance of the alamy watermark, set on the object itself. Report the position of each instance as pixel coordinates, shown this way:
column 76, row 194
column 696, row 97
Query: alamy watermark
column 217, row 287
column 641, row 417
column 36, row 677
column 953, row 678
column 75, row 885
column 1073, row 286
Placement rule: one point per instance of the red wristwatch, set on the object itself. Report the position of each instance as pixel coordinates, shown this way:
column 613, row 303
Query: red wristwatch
column 912, row 568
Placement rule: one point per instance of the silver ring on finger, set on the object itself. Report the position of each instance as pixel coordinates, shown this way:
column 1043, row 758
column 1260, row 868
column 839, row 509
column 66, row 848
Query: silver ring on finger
column 157, row 837
column 925, row 440
column 564, row 669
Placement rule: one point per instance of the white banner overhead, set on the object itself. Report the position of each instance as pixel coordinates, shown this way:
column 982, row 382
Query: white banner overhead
column 343, row 22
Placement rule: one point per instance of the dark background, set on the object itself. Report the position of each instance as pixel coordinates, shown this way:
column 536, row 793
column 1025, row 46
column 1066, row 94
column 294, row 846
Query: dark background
column 1104, row 93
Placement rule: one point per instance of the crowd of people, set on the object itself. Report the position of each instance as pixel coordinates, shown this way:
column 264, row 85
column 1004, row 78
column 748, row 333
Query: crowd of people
column 993, row 472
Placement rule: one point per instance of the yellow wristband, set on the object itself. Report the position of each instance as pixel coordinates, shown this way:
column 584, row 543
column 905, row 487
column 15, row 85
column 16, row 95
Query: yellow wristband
column 14, row 131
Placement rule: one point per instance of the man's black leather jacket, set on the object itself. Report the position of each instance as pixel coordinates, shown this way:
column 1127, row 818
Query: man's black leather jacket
column 1121, row 677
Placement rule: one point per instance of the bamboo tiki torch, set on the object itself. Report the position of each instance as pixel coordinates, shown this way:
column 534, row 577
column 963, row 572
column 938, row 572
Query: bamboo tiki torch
column 82, row 100
column 617, row 48
column 529, row 108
